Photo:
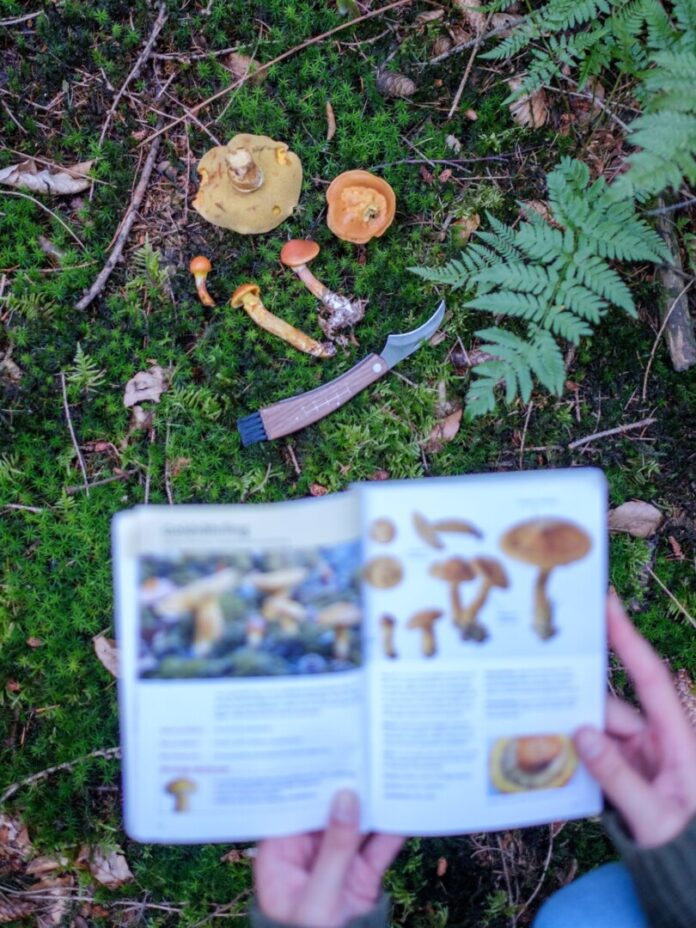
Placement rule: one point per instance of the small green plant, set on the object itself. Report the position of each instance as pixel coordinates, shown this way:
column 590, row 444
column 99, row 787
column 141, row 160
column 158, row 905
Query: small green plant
column 553, row 276
column 85, row 375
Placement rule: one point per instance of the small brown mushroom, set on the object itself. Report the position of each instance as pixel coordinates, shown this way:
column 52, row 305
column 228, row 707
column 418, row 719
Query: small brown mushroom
column 249, row 185
column 492, row 574
column 546, row 543
column 361, row 206
column 383, row 531
column 247, row 297
column 181, row 789
column 341, row 617
column 282, row 580
column 454, row 571
column 202, row 598
column 425, row 620
column 426, row 532
column 280, row 608
column 386, row 625
column 383, row 572
column 200, row 268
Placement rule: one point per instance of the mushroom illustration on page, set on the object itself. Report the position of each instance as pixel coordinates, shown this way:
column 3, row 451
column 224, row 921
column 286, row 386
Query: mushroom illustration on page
column 341, row 617
column 430, row 531
column 545, row 543
column 387, row 624
column 455, row 571
column 202, row 599
column 492, row 575
column 424, row 621
column 181, row 789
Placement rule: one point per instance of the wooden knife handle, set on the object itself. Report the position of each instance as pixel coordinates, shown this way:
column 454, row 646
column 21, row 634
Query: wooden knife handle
column 295, row 413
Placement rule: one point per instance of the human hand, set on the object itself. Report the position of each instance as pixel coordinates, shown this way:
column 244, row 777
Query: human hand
column 645, row 763
column 324, row 879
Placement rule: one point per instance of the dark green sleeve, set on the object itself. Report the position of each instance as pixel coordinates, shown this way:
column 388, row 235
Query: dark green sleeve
column 378, row 917
column 665, row 876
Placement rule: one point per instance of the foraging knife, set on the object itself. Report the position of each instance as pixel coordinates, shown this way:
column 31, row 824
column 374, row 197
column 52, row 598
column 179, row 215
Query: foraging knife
column 295, row 413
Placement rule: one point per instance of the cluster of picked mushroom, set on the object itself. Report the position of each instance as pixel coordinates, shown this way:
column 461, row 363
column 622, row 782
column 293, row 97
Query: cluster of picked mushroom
column 250, row 186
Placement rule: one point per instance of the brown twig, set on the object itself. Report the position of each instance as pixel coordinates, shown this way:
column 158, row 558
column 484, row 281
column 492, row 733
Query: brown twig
column 76, row 446
column 676, row 302
column 547, row 862
column 126, row 224
column 619, row 430
column 673, row 207
column 16, row 20
column 100, row 483
column 269, row 64
column 463, row 47
column 682, row 609
column 195, row 56
column 21, row 508
column 135, row 70
column 467, row 70
column 49, row 771
column 530, row 406
column 18, row 193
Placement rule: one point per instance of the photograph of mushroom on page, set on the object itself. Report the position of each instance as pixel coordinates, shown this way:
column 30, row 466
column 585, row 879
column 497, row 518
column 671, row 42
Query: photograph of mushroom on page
column 531, row 762
column 250, row 614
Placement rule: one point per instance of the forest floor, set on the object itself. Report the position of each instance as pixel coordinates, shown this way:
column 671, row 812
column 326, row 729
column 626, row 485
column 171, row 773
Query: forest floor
column 72, row 455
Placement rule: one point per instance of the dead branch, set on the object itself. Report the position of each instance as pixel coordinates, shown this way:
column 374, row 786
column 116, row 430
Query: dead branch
column 472, row 43
column 674, row 309
column 26, row 196
column 76, row 446
column 126, row 224
column 665, row 322
column 136, row 69
column 269, row 64
column 467, row 71
column 671, row 595
column 49, row 771
column 100, row 483
column 15, row 21
column 619, row 430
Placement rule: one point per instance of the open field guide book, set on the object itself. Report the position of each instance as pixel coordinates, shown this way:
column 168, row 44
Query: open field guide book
column 431, row 644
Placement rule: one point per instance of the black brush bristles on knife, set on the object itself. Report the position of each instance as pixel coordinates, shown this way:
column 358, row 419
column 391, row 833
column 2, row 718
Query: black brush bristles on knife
column 295, row 413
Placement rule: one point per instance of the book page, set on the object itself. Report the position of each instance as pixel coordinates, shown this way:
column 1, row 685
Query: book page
column 242, row 687
column 485, row 636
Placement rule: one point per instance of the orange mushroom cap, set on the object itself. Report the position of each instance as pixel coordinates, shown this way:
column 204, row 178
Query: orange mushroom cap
column 361, row 206
column 237, row 298
column 200, row 265
column 298, row 251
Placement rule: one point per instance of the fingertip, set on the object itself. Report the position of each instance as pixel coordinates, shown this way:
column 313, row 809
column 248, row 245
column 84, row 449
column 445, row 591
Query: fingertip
column 589, row 743
column 345, row 808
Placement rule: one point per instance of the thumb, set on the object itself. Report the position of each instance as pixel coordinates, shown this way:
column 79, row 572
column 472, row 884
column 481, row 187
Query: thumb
column 624, row 787
column 337, row 851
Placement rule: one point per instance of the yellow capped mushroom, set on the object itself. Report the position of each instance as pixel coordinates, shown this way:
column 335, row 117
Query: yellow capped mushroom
column 249, row 185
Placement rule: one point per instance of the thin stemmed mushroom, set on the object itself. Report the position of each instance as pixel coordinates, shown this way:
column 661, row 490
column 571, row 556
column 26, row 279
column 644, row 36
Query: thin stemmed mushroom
column 181, row 789
column 454, row 571
column 344, row 313
column 546, row 543
column 386, row 625
column 278, row 605
column 247, row 298
column 341, row 617
column 424, row 620
column 492, row 574
column 200, row 267
column 429, row 531
column 280, row 608
column 202, row 598
column 255, row 629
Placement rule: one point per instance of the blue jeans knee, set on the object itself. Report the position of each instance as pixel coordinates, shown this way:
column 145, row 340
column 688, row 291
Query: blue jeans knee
column 603, row 898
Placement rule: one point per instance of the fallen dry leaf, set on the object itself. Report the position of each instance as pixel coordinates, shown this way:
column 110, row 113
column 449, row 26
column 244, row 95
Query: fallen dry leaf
column 40, row 866
column 108, row 867
column 636, row 518
column 442, row 432
column 540, row 207
column 146, row 385
column 330, row 121
column 235, row 856
column 13, row 911
column 530, row 109
column 12, row 686
column 178, row 465
column 55, row 895
column 471, row 115
column 452, row 142
column 441, row 866
column 470, row 10
column 677, row 549
column 107, row 652
column 9, row 369
column 429, row 16
column 241, row 65
column 465, row 227
column 15, row 846
column 316, row 489
column 56, row 180
column 34, row 642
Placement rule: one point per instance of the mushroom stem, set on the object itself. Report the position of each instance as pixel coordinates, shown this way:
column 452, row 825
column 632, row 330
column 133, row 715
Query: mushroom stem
column 458, row 610
column 428, row 642
column 471, row 629
column 342, row 643
column 333, row 301
column 543, row 611
column 247, row 297
column 209, row 625
column 387, row 626
column 245, row 174
column 200, row 268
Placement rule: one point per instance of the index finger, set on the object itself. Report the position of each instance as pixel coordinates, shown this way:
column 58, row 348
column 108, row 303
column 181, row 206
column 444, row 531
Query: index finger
column 652, row 680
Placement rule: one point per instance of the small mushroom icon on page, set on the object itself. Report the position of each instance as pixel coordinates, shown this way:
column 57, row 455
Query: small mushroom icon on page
column 181, row 789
